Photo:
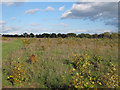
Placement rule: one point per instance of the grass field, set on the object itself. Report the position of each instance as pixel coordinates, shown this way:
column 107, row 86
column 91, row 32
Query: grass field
column 60, row 63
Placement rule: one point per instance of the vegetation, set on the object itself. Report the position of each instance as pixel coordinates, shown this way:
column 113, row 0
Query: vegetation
column 53, row 35
column 60, row 62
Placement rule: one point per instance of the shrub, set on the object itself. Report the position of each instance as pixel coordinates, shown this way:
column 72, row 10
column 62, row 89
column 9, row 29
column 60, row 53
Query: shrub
column 32, row 58
column 4, row 38
column 87, row 73
column 26, row 42
column 16, row 74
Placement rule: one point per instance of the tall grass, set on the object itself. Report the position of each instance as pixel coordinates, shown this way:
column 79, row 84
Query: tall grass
column 54, row 57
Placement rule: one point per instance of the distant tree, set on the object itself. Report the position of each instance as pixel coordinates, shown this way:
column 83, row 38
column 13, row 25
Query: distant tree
column 40, row 36
column 63, row 35
column 82, row 35
column 15, row 35
column 59, row 35
column 107, row 34
column 101, row 35
column 114, row 35
column 53, row 35
column 87, row 35
column 31, row 35
column 95, row 35
column 25, row 34
column 45, row 35
column 37, row 36
column 71, row 35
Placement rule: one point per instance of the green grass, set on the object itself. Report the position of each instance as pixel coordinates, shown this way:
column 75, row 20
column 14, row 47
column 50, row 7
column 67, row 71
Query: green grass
column 7, row 48
column 53, row 64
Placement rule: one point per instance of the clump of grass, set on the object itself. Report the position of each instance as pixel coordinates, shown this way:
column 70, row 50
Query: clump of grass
column 59, row 41
column 4, row 38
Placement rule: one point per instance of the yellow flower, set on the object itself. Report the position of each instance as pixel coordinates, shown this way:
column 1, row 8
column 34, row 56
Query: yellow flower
column 90, row 78
column 89, row 71
column 97, row 81
column 76, row 79
column 76, row 86
column 77, row 74
column 73, row 69
column 100, row 83
column 92, row 82
column 11, row 76
column 81, row 76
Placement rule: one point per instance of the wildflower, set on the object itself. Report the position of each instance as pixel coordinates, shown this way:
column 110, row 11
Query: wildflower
column 76, row 79
column 81, row 76
column 92, row 82
column 77, row 74
column 97, row 81
column 73, row 69
column 90, row 78
column 100, row 83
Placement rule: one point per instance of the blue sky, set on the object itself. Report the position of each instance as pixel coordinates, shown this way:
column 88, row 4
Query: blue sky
column 59, row 17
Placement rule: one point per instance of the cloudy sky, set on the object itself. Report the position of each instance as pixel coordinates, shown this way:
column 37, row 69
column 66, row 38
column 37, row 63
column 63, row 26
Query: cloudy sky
column 59, row 17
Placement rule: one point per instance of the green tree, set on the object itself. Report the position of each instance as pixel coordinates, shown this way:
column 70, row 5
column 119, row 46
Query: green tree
column 95, row 35
column 25, row 34
column 31, row 35
column 114, row 35
column 71, row 35
column 107, row 34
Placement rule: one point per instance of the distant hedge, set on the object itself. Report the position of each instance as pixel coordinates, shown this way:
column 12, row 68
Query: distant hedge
column 54, row 35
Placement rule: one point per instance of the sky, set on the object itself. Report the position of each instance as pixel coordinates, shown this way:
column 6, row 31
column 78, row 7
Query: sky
column 59, row 17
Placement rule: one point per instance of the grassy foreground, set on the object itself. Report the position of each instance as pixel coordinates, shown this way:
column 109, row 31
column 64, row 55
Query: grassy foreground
column 60, row 63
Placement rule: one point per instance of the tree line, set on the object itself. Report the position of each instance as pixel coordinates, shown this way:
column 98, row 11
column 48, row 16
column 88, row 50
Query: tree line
column 54, row 35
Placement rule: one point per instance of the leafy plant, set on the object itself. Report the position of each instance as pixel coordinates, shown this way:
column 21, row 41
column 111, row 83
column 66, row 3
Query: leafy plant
column 16, row 74
column 86, row 73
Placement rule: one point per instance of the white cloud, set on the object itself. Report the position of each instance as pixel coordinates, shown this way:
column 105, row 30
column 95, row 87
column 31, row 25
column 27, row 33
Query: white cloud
column 13, row 2
column 78, row 31
column 99, row 31
column 3, row 22
column 92, row 11
column 31, row 11
column 49, row 8
column 61, row 24
column 8, row 28
column 61, row 8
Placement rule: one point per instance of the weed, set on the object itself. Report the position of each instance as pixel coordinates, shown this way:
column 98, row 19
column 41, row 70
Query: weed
column 16, row 73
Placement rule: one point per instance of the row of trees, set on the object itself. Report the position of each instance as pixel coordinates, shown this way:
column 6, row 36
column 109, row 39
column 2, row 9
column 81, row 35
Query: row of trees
column 53, row 35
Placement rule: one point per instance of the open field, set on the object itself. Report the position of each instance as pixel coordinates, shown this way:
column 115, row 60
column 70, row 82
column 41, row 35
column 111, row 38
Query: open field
column 59, row 63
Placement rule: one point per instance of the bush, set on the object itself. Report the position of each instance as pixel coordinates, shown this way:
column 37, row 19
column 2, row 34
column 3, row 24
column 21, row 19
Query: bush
column 16, row 74
column 87, row 73
column 4, row 38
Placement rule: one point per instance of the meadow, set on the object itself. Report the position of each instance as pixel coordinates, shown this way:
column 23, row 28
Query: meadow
column 59, row 63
